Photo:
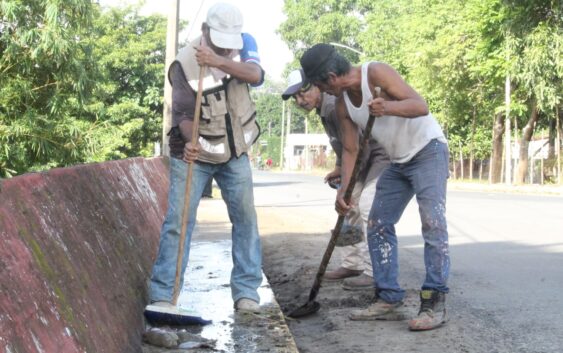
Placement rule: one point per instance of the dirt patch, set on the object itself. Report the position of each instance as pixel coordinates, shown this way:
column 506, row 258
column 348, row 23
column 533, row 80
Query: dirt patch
column 291, row 261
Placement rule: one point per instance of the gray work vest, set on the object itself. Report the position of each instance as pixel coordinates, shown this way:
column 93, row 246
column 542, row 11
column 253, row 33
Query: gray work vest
column 228, row 114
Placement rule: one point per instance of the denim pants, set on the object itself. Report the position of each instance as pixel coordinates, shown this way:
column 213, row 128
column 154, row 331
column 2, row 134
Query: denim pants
column 235, row 181
column 425, row 176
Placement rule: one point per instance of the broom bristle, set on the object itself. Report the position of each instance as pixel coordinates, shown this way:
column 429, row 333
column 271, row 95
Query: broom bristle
column 157, row 315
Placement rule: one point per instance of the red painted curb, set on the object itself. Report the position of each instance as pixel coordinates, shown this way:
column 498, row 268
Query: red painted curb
column 76, row 249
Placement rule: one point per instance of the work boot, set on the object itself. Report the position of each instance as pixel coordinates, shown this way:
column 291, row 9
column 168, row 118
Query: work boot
column 360, row 282
column 341, row 273
column 432, row 311
column 380, row 310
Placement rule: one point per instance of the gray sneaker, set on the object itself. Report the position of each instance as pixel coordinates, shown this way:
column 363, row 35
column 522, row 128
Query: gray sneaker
column 360, row 282
column 432, row 311
column 380, row 310
column 247, row 305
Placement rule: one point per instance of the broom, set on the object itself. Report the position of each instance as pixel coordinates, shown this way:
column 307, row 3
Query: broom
column 158, row 315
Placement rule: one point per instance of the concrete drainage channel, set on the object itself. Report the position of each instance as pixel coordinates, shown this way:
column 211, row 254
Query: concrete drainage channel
column 207, row 293
column 80, row 243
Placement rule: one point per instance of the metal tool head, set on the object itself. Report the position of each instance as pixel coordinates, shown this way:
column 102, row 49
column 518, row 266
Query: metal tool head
column 350, row 235
column 309, row 308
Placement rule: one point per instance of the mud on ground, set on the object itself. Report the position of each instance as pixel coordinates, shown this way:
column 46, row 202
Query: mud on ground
column 291, row 261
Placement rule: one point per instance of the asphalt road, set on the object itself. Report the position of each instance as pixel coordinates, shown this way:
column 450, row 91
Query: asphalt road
column 506, row 249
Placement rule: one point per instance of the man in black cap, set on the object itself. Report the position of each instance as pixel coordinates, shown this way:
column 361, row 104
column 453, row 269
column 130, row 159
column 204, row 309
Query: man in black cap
column 419, row 166
column 356, row 268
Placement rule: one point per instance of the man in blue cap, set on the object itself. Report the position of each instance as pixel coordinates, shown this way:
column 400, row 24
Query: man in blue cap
column 356, row 268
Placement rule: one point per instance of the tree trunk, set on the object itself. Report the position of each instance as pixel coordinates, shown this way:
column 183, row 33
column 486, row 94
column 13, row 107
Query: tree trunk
column 527, row 134
column 496, row 158
column 471, row 153
column 551, row 138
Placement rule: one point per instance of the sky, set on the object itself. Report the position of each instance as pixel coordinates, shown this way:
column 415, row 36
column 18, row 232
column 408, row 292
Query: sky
column 261, row 19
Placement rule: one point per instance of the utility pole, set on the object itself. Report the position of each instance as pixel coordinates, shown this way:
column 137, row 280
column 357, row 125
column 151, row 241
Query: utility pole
column 306, row 142
column 171, row 50
column 507, row 134
column 558, row 145
column 282, row 134
column 288, row 132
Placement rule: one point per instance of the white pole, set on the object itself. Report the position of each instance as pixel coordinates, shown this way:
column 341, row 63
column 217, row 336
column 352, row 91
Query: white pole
column 306, row 144
column 558, row 146
column 282, row 134
column 461, row 160
column 288, row 132
column 171, row 50
column 541, row 160
column 507, row 134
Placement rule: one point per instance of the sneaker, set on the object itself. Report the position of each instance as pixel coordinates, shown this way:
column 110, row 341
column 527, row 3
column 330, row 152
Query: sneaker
column 247, row 305
column 169, row 308
column 380, row 310
column 360, row 282
column 432, row 312
column 341, row 273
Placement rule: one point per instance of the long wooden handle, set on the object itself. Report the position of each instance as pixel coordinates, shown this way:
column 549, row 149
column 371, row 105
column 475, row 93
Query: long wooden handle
column 347, row 196
column 186, row 210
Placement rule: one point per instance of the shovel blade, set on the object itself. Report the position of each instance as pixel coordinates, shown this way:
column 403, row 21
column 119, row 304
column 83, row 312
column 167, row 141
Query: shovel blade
column 309, row 308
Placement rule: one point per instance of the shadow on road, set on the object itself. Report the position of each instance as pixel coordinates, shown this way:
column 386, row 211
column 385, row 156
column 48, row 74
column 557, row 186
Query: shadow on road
column 274, row 183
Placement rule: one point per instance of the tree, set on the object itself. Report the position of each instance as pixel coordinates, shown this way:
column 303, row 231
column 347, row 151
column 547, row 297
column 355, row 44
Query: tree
column 79, row 84
column 46, row 72
column 456, row 54
column 128, row 96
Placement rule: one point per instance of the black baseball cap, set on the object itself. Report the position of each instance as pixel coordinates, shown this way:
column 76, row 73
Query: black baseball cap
column 314, row 60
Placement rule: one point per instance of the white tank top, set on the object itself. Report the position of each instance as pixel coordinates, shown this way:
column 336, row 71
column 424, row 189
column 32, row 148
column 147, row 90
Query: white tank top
column 401, row 137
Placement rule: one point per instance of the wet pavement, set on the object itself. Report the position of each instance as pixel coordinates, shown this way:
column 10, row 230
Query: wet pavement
column 207, row 293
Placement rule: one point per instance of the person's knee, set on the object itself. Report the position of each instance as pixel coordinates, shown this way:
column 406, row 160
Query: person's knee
column 377, row 228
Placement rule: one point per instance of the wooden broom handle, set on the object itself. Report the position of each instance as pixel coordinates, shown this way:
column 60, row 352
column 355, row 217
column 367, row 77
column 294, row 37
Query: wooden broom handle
column 186, row 210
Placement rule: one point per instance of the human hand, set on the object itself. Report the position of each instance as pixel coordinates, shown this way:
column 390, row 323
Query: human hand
column 340, row 205
column 205, row 56
column 377, row 106
column 333, row 174
column 333, row 178
column 191, row 152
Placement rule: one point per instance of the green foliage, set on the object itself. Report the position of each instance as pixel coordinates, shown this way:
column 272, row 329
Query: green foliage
column 46, row 74
column 457, row 54
column 130, row 50
column 78, row 84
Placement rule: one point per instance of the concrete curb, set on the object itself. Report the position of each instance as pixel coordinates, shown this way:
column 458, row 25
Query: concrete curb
column 77, row 246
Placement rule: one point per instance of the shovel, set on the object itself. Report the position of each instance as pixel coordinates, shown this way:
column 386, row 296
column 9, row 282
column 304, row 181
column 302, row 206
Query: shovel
column 313, row 306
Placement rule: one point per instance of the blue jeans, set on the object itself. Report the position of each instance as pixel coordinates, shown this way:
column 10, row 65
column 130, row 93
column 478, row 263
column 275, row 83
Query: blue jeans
column 426, row 177
column 235, row 181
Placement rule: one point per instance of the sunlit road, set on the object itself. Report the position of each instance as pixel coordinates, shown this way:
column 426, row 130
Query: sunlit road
column 506, row 250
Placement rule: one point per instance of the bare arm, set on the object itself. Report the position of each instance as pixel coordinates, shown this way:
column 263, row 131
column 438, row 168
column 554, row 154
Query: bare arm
column 349, row 136
column 397, row 97
column 245, row 71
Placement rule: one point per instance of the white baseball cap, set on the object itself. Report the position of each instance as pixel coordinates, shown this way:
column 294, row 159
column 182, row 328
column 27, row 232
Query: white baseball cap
column 295, row 82
column 225, row 24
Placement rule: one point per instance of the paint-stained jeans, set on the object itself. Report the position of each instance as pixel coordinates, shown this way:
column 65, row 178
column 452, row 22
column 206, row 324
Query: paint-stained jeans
column 426, row 177
column 235, row 181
